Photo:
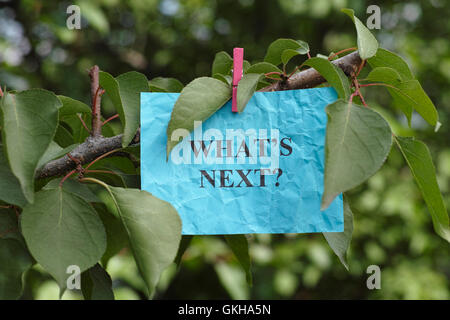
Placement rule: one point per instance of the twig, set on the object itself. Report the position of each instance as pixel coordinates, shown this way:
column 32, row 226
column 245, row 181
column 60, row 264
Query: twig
column 109, row 119
column 340, row 52
column 84, row 124
column 96, row 102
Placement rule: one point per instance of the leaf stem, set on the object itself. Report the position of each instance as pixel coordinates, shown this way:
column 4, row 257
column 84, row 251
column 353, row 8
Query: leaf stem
column 101, row 157
column 95, row 181
column 109, row 119
column 66, row 177
column 340, row 52
column 84, row 124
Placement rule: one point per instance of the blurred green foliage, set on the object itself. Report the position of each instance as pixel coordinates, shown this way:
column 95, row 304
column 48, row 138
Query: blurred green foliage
column 179, row 38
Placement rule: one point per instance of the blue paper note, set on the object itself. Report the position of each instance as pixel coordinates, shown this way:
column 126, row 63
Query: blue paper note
column 260, row 171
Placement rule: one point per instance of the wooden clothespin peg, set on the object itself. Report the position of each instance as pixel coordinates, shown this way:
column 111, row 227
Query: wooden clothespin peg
column 238, row 61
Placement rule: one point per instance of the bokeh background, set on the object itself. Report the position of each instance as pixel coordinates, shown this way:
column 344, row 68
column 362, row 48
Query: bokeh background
column 179, row 38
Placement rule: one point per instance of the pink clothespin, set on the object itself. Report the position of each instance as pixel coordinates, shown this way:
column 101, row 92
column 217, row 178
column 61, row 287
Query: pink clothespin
column 238, row 61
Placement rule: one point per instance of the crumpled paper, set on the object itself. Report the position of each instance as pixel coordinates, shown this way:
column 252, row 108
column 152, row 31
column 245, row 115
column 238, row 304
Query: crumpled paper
column 286, row 202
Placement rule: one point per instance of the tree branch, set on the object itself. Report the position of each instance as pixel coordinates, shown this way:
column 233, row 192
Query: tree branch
column 97, row 145
column 95, row 102
column 311, row 78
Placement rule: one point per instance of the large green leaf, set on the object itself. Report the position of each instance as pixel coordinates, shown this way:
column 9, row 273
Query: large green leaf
column 197, row 102
column 239, row 245
column 161, row 84
column 10, row 190
column 246, row 88
column 222, row 64
column 96, row 284
column 358, row 141
column 14, row 261
column 61, row 230
column 30, row 119
column 367, row 43
column 153, row 227
column 72, row 106
column 420, row 162
column 334, row 75
column 275, row 51
column 340, row 241
column 385, row 58
column 124, row 92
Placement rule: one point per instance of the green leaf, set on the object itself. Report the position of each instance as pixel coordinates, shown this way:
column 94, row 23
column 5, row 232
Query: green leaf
column 245, row 66
column 264, row 67
column 61, row 230
column 124, row 92
column 10, row 190
column 385, row 58
column 72, row 186
column 184, row 244
column 225, row 79
column 54, row 151
column 340, row 241
column 15, row 260
column 222, row 64
column 239, row 245
column 276, row 49
column 161, row 84
column 334, row 75
column 9, row 227
column 386, row 75
column 30, row 119
column 200, row 99
column 408, row 95
column 96, row 284
column 411, row 92
column 420, row 162
column 288, row 54
column 358, row 141
column 392, row 77
column 63, row 136
column 367, row 43
column 72, row 106
column 153, row 227
column 246, row 88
